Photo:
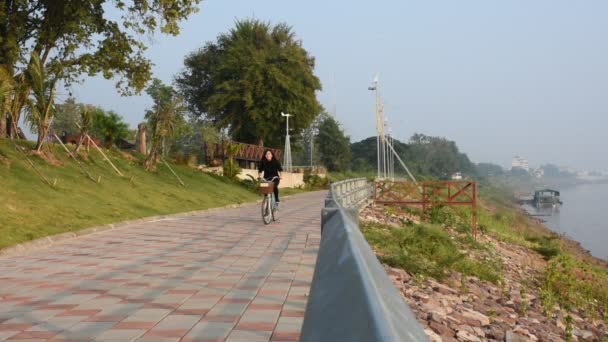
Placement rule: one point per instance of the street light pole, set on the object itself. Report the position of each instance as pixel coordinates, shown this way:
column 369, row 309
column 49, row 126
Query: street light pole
column 379, row 128
column 287, row 156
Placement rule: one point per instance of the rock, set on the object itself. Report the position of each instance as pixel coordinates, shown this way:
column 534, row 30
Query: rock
column 449, row 338
column 433, row 306
column 510, row 336
column 433, row 337
column 519, row 329
column 495, row 332
column 441, row 329
column 476, row 316
column 468, row 328
column 463, row 335
column 436, row 317
column 443, row 289
column 584, row 334
column 479, row 332
column 421, row 297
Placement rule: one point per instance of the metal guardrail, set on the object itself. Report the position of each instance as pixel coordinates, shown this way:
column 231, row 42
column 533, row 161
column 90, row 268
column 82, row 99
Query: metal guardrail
column 351, row 297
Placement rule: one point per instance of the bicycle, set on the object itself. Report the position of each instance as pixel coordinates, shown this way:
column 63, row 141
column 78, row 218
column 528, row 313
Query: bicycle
column 269, row 204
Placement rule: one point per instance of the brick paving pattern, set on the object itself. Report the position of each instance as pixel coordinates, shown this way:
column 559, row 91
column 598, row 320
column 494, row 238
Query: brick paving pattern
column 218, row 276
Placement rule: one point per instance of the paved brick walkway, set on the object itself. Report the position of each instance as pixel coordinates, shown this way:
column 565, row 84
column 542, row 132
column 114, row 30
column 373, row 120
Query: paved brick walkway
column 219, row 276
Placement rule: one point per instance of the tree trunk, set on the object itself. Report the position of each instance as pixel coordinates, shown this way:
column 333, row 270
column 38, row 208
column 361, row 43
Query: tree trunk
column 150, row 163
column 2, row 124
column 141, row 136
column 80, row 142
column 42, row 132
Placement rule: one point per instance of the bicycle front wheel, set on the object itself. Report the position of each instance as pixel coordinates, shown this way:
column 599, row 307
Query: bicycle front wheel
column 266, row 210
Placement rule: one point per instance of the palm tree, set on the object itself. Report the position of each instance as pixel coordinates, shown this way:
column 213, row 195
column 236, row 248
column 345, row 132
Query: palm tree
column 41, row 107
column 86, row 123
column 5, row 92
column 162, row 119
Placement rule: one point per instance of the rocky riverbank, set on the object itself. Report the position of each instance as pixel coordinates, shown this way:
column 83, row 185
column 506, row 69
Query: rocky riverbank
column 464, row 308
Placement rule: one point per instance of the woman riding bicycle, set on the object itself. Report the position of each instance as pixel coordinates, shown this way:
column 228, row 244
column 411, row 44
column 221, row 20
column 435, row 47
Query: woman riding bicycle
column 271, row 167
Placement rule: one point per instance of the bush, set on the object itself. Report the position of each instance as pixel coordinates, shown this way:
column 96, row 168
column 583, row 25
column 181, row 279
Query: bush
column 547, row 246
column 426, row 250
column 313, row 181
column 251, row 183
column 231, row 169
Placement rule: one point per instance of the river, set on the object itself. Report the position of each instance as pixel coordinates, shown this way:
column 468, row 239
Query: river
column 583, row 217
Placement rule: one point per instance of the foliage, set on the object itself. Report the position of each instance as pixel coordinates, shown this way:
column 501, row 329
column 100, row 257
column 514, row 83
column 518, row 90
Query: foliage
column 82, row 37
column 245, row 79
column 427, row 250
column 302, row 152
column 166, row 115
column 313, row 181
column 571, row 283
column 334, row 145
column 231, row 168
column 6, row 85
column 433, row 157
column 488, row 170
column 67, row 117
column 108, row 126
column 74, row 38
column 547, row 246
column 41, row 107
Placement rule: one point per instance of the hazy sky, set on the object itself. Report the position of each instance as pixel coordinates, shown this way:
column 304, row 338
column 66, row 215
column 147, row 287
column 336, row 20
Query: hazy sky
column 501, row 78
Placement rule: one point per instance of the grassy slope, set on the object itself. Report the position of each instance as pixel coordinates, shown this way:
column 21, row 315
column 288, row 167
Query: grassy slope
column 30, row 209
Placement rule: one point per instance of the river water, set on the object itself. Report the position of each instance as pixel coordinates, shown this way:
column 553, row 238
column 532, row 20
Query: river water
column 583, row 217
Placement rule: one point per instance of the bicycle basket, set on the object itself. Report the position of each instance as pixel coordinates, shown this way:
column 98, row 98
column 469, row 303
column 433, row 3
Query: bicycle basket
column 266, row 187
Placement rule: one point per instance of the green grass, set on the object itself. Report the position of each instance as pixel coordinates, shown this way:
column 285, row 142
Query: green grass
column 569, row 279
column 429, row 250
column 30, row 208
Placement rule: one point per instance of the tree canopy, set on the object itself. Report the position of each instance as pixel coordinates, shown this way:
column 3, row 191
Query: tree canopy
column 423, row 155
column 245, row 79
column 75, row 37
column 334, row 145
column 165, row 116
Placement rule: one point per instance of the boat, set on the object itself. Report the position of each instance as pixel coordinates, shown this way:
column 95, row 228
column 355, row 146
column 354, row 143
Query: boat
column 546, row 198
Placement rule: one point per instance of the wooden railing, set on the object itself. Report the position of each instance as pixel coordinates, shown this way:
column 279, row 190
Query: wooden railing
column 427, row 194
column 246, row 152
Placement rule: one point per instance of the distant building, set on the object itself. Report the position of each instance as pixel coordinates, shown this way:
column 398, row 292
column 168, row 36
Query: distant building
column 457, row 176
column 539, row 173
column 520, row 163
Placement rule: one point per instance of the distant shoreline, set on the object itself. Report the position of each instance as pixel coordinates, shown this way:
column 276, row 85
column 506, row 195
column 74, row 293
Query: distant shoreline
column 571, row 242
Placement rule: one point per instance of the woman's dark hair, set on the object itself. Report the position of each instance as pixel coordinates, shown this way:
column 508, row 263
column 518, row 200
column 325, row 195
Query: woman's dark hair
column 264, row 155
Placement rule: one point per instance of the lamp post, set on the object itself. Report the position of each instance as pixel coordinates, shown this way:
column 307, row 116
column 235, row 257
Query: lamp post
column 287, row 157
column 379, row 128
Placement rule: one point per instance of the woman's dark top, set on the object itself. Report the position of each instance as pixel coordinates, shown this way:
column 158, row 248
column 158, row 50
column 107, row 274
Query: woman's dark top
column 270, row 168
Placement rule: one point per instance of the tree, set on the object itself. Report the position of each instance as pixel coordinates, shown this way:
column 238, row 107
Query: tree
column 109, row 126
column 438, row 157
column 87, row 116
column 163, row 118
column 423, row 155
column 489, row 170
column 71, row 38
column 67, row 117
column 334, row 145
column 245, row 79
column 41, row 107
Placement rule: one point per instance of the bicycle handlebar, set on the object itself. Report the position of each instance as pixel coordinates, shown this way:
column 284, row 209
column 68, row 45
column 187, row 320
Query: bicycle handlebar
column 270, row 180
